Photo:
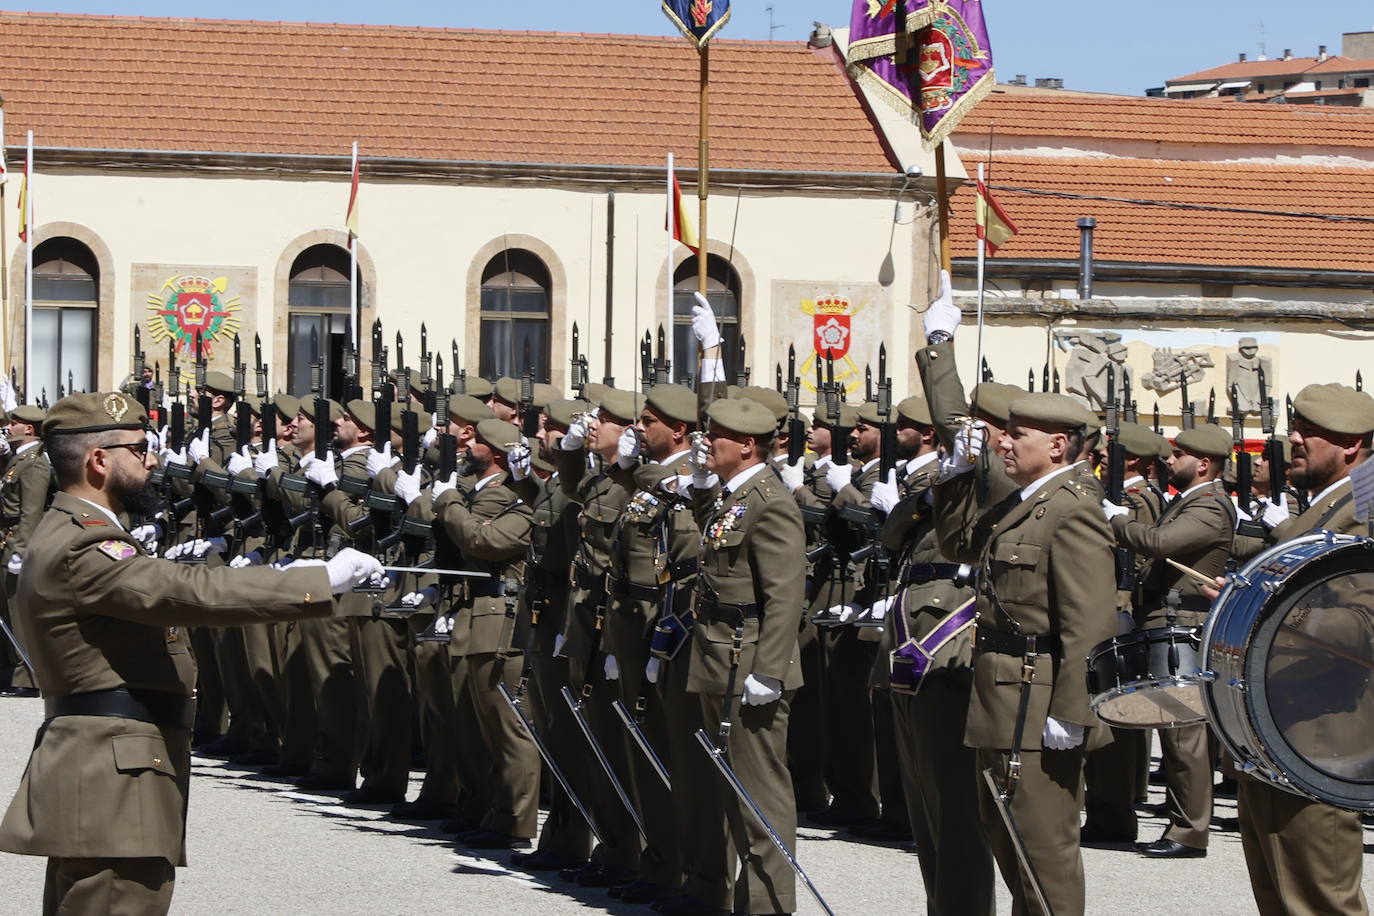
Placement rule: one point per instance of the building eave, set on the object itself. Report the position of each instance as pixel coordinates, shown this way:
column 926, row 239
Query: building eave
column 1145, row 272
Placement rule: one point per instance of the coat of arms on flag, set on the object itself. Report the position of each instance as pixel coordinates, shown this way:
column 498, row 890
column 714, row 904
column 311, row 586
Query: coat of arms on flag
column 699, row 20
column 191, row 309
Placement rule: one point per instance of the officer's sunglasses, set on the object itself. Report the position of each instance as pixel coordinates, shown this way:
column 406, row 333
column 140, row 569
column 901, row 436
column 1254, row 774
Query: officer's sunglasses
column 139, row 449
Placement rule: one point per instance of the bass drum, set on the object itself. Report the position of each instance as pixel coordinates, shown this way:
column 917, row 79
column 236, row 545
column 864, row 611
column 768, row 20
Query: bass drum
column 1287, row 655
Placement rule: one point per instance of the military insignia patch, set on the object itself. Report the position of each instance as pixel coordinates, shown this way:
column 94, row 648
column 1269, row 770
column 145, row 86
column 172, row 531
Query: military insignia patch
column 1040, row 513
column 116, row 407
column 171, row 634
column 117, row 550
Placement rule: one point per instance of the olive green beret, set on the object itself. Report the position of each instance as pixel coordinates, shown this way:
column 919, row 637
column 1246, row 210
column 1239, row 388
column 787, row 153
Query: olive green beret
column 219, row 382
column 308, row 408
column 92, row 413
column 1287, row 451
column 467, row 408
column 848, row 416
column 417, row 383
column 545, row 394
column 542, row 463
column 916, row 410
column 673, row 402
column 1049, row 411
column 561, row 413
column 1166, row 450
column 1337, row 408
column 252, row 405
column 868, row 412
column 507, row 389
column 594, row 391
column 364, row 413
column 993, row 399
column 288, row 405
column 474, row 385
column 741, row 415
column 1206, row 439
column 622, row 405
column 1140, row 441
column 423, row 420
column 773, row 400
column 29, row 413
column 499, row 435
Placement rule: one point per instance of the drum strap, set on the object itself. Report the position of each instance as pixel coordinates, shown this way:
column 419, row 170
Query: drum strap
column 1022, row 707
column 1337, row 506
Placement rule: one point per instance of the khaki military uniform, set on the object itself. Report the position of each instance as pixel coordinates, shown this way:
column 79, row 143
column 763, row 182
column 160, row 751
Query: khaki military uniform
column 807, row 744
column 1195, row 530
column 1304, row 857
column 24, row 493
column 101, row 616
column 748, row 593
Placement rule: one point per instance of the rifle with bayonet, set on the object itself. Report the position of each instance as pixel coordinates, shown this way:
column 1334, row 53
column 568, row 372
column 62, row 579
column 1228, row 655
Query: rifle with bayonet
column 1244, row 467
column 741, row 365
column 1186, row 418
column 796, row 427
column 426, row 369
column 577, row 374
column 1115, row 481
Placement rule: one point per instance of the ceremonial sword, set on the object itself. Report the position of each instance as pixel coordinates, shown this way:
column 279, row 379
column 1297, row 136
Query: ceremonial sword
column 642, row 740
column 14, row 640
column 579, row 713
column 1003, row 802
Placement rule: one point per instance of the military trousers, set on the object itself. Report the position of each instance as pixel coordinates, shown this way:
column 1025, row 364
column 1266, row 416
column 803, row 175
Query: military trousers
column 806, row 739
column 565, row 832
column 326, row 644
column 1305, row 858
column 852, row 764
column 943, row 788
column 1187, row 758
column 1111, row 776
column 108, row 887
column 212, row 713
column 298, row 698
column 383, row 670
column 1045, row 807
column 513, row 780
column 466, row 748
column 434, row 699
column 248, row 722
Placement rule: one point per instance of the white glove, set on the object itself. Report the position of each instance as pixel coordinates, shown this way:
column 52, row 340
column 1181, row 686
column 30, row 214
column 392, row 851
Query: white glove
column 878, row 609
column 837, row 476
column 199, row 448
column 697, row 460
column 968, row 446
column 575, row 437
column 1274, row 514
column 761, row 690
column 518, row 460
column 265, row 461
column 627, row 450
column 612, row 668
column 15, row 564
column 171, row 457
column 441, row 487
column 154, row 440
column 943, row 314
column 430, row 436
column 350, row 567
column 379, row 461
column 148, row 535
column 4, row 446
column 162, row 435
column 558, row 640
column 421, row 599
column 320, row 470
column 704, row 326
column 793, row 475
column 676, row 483
column 651, row 670
column 1061, row 736
column 252, row 558
column 239, row 461
column 204, row 546
column 845, row 611
column 1125, row 623
column 408, row 485
column 885, row 495
column 1112, row 510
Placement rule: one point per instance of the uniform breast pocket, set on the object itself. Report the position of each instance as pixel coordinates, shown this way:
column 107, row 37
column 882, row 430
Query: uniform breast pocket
column 726, row 550
column 1014, row 572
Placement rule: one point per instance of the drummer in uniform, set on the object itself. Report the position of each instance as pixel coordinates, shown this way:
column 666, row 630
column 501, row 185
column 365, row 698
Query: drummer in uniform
column 1195, row 530
column 1305, row 856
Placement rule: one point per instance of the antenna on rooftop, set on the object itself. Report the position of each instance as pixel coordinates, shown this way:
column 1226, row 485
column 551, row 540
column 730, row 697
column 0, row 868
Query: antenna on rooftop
column 771, row 26
column 1262, row 45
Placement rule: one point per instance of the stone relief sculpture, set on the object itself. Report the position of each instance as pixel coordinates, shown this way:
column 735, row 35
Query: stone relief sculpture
column 1242, row 374
column 1085, row 372
column 1171, row 367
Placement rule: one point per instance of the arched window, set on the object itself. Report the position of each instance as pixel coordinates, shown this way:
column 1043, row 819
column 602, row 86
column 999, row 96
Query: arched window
column 320, row 318
column 65, row 306
column 515, row 316
column 723, row 291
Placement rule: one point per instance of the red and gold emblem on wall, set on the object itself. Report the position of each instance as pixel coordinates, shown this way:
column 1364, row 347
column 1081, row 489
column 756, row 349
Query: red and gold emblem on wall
column 195, row 312
column 832, row 334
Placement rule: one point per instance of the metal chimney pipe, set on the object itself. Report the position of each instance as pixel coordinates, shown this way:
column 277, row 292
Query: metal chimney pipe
column 1086, row 225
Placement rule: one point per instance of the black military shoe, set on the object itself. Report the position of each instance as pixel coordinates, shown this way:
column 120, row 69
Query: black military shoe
column 316, row 782
column 641, row 892
column 422, row 809
column 367, row 795
column 1168, row 849
column 482, row 838
column 18, row 692
column 543, row 860
column 1093, row 835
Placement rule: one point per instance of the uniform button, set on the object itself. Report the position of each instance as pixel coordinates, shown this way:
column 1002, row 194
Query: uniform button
column 307, row 596
column 157, row 761
column 1014, row 558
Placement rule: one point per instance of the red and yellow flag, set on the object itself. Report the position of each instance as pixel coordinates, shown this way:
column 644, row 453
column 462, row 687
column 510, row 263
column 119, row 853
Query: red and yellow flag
column 681, row 223
column 351, row 218
column 24, row 207
column 994, row 226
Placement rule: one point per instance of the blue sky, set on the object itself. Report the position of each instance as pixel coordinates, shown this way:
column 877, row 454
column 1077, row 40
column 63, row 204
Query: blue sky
column 1105, row 46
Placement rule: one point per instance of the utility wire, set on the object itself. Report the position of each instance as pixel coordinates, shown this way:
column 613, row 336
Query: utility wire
column 1329, row 217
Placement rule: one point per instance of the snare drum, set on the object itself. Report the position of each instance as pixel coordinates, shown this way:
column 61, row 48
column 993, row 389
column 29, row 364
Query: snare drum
column 1147, row 679
column 1288, row 653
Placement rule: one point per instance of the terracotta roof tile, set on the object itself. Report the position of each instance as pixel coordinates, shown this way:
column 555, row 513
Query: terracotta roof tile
column 1011, row 111
column 1136, row 233
column 201, row 85
column 1249, row 69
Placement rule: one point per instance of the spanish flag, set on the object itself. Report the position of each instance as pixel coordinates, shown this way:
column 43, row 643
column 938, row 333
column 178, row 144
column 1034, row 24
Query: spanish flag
column 681, row 223
column 994, row 226
column 24, row 207
column 351, row 218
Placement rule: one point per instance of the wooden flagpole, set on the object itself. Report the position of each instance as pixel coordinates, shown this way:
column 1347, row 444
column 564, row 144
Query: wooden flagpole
column 5, row 254
column 703, row 162
column 942, row 205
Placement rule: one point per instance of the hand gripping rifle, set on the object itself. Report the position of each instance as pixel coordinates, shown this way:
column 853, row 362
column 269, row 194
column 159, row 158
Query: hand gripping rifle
column 1116, row 481
column 1245, row 469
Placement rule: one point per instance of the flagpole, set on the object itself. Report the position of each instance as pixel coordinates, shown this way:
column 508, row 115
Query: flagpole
column 357, row 305
column 982, row 255
column 703, row 162
column 30, row 230
column 942, row 205
column 668, row 268
column 4, row 249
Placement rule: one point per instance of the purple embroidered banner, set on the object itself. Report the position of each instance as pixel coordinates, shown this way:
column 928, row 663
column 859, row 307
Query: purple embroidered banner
column 937, row 70
column 698, row 20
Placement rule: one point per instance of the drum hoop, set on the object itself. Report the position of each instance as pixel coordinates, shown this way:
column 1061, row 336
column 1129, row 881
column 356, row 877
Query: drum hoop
column 1135, row 687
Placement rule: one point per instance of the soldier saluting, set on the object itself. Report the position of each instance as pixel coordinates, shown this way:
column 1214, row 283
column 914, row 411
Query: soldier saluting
column 104, row 794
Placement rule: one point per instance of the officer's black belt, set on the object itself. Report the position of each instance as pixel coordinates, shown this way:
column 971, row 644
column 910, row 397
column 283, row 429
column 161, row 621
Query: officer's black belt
column 918, row 573
column 543, row 581
column 9, row 521
column 583, row 578
column 168, row 710
column 624, row 588
column 730, row 613
column 988, row 640
column 489, row 588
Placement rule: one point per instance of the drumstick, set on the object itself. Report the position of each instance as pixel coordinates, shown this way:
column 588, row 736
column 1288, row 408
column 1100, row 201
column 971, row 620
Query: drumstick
column 1192, row 573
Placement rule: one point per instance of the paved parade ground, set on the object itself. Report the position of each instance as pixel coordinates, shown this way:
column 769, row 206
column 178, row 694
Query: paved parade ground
column 258, row 847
